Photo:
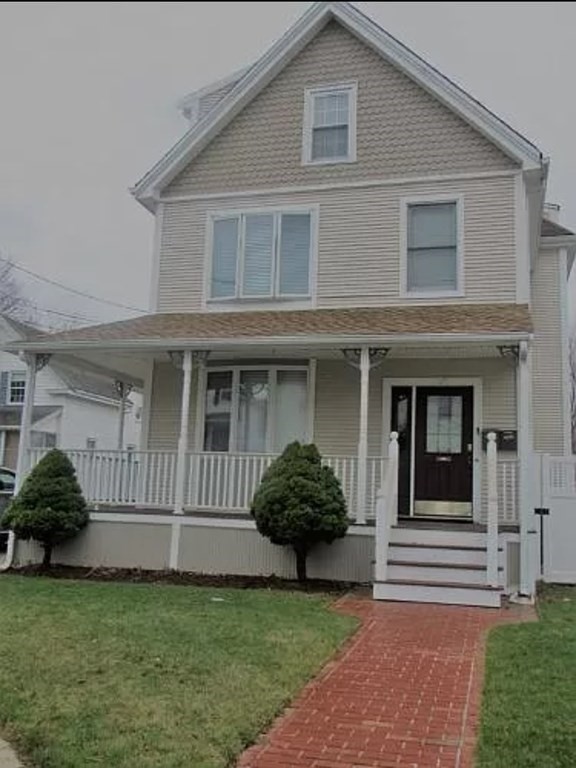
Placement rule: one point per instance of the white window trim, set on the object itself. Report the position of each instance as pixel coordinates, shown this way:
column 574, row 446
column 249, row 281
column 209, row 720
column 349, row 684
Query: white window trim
column 309, row 94
column 405, row 203
column 247, row 303
column 22, row 376
column 272, row 380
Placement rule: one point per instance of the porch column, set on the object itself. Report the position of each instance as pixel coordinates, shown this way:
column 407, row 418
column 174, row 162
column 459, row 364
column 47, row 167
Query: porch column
column 365, row 366
column 183, row 437
column 526, row 496
column 123, row 389
column 34, row 363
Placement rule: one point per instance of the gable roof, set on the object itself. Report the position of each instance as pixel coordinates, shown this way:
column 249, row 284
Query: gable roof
column 552, row 229
column 286, row 48
column 84, row 382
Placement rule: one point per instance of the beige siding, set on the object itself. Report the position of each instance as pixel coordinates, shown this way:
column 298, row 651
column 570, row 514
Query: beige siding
column 402, row 130
column 359, row 234
column 165, row 405
column 338, row 396
column 548, row 374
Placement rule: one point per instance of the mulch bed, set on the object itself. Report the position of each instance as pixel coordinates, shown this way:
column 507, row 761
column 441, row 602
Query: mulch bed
column 139, row 576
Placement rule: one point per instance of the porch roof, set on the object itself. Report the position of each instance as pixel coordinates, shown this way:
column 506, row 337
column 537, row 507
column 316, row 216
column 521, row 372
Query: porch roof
column 342, row 326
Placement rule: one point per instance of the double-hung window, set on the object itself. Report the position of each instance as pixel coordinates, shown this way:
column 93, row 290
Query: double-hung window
column 330, row 125
column 17, row 388
column 261, row 255
column 253, row 410
column 432, row 257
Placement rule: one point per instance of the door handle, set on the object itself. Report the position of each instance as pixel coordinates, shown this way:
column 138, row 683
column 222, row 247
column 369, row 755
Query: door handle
column 444, row 459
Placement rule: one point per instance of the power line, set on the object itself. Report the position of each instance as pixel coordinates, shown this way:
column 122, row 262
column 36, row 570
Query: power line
column 67, row 288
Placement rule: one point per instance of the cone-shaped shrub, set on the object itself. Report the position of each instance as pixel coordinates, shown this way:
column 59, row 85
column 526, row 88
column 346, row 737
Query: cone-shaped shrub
column 50, row 507
column 300, row 503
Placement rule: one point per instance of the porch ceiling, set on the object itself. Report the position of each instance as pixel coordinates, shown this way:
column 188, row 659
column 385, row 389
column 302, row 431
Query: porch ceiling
column 415, row 326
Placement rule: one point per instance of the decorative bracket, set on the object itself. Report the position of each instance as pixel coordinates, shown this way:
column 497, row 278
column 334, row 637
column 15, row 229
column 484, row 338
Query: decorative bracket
column 123, row 388
column 510, row 351
column 41, row 361
column 199, row 356
column 377, row 356
column 176, row 358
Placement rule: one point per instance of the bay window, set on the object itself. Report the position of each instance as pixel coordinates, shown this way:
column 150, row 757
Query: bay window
column 255, row 410
column 261, row 255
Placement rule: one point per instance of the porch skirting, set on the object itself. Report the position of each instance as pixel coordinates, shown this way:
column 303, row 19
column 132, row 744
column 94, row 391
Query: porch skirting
column 225, row 546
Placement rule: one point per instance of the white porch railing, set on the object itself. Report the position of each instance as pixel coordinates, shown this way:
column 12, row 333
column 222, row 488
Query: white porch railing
column 386, row 510
column 213, row 481
column 507, row 479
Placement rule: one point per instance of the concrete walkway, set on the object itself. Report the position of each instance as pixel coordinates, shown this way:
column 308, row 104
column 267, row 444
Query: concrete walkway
column 405, row 692
column 8, row 757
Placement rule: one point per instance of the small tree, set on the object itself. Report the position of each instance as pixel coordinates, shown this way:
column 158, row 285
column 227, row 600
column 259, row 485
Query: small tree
column 50, row 507
column 300, row 503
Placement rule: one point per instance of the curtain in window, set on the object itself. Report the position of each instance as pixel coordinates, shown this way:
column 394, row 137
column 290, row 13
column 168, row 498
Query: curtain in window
column 294, row 279
column 218, row 411
column 253, row 412
column 291, row 408
column 258, row 255
column 432, row 247
column 330, row 126
column 224, row 258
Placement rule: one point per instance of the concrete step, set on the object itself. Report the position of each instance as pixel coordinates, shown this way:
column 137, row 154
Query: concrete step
column 445, row 593
column 437, row 553
column 439, row 537
column 405, row 570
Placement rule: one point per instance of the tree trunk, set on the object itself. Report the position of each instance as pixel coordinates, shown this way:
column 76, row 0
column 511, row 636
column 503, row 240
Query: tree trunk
column 301, row 555
column 47, row 556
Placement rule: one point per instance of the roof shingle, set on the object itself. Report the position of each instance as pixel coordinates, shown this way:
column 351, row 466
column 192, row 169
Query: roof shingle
column 373, row 322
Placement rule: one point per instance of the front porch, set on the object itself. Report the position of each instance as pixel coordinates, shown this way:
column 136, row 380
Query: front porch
column 219, row 409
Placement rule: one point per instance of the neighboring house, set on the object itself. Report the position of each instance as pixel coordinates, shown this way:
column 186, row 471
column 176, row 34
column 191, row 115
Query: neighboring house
column 347, row 245
column 72, row 407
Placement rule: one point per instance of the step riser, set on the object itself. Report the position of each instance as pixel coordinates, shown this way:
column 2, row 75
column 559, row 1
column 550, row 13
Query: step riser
column 449, row 538
column 408, row 593
column 417, row 554
column 424, row 573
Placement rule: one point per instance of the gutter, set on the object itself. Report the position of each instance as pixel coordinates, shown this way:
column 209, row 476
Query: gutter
column 326, row 342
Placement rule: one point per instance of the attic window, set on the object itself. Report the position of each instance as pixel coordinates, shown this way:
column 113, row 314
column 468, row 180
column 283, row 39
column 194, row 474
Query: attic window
column 330, row 125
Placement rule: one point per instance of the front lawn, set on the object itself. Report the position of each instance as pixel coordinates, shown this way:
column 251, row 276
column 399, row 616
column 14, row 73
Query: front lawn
column 138, row 676
column 529, row 705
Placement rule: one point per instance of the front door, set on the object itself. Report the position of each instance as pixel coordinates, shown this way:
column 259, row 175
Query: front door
column 435, row 426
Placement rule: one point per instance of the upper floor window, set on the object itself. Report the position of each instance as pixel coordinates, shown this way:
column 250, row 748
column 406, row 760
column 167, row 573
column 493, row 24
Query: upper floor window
column 17, row 388
column 433, row 261
column 261, row 256
column 330, row 125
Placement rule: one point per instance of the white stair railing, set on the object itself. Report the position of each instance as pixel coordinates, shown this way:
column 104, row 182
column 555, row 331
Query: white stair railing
column 386, row 509
column 492, row 527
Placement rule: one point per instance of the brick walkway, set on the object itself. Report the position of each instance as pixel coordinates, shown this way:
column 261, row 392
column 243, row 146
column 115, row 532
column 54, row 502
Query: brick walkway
column 405, row 692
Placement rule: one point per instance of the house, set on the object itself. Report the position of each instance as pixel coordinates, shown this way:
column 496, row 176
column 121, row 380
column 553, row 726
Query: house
column 351, row 250
column 72, row 407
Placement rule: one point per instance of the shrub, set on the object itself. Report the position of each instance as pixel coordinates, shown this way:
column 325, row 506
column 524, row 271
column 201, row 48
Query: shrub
column 50, row 507
column 299, row 503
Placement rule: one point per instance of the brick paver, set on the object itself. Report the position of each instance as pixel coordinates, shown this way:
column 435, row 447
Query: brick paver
column 404, row 693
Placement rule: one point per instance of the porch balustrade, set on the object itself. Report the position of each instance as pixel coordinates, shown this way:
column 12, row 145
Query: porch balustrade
column 214, row 482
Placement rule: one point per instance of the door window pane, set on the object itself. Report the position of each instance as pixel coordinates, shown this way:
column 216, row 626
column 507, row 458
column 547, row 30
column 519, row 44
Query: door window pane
column 432, row 247
column 291, row 416
column 294, row 277
column 444, row 424
column 224, row 258
column 258, row 255
column 253, row 411
column 218, row 411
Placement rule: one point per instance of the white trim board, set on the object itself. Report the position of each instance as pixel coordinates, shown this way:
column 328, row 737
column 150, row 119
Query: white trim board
column 447, row 381
column 287, row 48
column 362, row 184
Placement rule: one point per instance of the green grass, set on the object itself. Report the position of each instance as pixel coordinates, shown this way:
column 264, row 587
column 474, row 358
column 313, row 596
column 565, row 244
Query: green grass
column 139, row 676
column 529, row 705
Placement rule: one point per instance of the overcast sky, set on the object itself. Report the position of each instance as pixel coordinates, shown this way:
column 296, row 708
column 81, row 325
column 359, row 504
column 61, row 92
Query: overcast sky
column 89, row 92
